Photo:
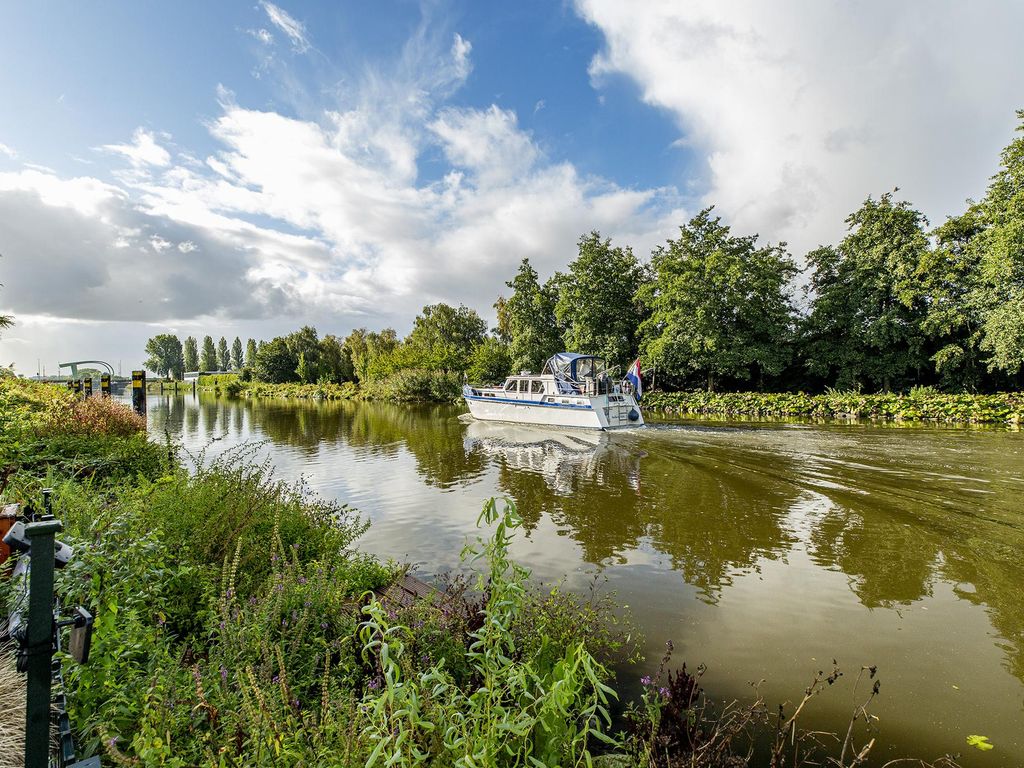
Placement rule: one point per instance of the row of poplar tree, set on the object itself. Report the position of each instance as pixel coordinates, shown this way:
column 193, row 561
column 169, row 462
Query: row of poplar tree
column 894, row 304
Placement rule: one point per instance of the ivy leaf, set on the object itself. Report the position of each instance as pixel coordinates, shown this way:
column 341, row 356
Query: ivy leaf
column 981, row 742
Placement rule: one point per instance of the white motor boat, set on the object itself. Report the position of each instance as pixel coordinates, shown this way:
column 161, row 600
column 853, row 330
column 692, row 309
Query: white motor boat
column 572, row 390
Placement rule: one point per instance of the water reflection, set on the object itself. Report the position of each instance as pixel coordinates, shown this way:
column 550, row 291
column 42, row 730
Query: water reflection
column 897, row 547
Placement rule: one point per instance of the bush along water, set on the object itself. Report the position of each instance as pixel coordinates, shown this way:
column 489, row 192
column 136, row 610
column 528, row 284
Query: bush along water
column 921, row 404
column 237, row 625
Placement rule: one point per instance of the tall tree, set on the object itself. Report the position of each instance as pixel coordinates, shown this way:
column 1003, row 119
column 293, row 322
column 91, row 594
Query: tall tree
column 865, row 326
column 949, row 277
column 526, row 320
column 223, row 354
column 191, row 354
column 719, row 305
column 1000, row 247
column 597, row 306
column 335, row 363
column 305, row 348
column 165, row 355
column 250, row 352
column 236, row 354
column 208, row 359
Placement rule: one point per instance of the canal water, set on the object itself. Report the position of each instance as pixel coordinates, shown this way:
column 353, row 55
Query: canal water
column 762, row 550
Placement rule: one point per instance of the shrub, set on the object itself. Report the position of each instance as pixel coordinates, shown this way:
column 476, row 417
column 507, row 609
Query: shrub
column 93, row 416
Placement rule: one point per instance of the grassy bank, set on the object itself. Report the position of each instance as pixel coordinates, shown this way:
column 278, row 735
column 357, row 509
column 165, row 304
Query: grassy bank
column 926, row 405
column 237, row 624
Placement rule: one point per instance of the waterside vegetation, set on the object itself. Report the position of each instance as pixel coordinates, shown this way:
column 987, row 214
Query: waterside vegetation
column 237, row 624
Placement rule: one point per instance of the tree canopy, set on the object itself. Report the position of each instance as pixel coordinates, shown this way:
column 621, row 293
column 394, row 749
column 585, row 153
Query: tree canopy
column 597, row 307
column 719, row 305
column 165, row 356
column 526, row 320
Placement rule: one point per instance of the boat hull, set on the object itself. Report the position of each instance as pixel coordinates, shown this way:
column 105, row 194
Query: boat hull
column 583, row 413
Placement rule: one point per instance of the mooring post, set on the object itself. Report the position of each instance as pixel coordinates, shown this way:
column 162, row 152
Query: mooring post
column 139, row 392
column 87, row 386
column 77, row 386
column 105, row 385
column 39, row 642
column 70, row 384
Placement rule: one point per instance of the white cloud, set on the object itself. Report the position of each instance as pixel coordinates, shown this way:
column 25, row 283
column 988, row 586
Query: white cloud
column 802, row 108
column 461, row 49
column 6, row 150
column 262, row 35
column 142, row 151
column 293, row 29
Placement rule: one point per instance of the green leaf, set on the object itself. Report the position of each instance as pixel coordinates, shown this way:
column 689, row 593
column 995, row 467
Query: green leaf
column 981, row 742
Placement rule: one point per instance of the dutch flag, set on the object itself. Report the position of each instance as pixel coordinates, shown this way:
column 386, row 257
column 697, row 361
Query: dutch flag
column 633, row 377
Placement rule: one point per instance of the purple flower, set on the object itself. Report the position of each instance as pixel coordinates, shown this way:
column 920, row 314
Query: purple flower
column 645, row 680
column 274, row 679
column 665, row 694
column 223, row 673
column 302, row 579
column 112, row 741
column 374, row 684
column 252, row 600
column 323, row 625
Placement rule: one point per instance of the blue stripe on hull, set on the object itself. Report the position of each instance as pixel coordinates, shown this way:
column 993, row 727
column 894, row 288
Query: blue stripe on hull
column 528, row 402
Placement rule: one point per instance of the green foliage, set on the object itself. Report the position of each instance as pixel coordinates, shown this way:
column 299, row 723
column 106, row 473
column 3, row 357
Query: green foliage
column 1000, row 248
column 250, row 353
column 526, row 320
column 596, row 307
column 922, row 404
column 217, row 380
column 275, row 362
column 490, row 362
column 165, row 356
column 208, row 359
column 236, row 355
column 520, row 709
column 866, row 325
column 442, row 339
column 415, row 385
column 719, row 306
column 223, row 355
column 190, row 355
column 318, row 391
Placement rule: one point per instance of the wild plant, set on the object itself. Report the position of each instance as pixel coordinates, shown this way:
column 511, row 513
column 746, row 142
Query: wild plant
column 514, row 712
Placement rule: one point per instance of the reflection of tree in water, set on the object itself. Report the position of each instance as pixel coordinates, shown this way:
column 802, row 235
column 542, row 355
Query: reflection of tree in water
column 711, row 519
column 889, row 562
column 894, row 546
column 715, row 518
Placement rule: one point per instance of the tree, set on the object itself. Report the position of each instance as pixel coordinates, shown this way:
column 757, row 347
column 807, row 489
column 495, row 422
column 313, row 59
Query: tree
column 1000, row 248
column 6, row 321
column 275, row 362
column 948, row 276
column 250, row 352
column 208, row 360
column 597, row 307
column 865, row 325
column 165, row 356
column 335, row 363
column 305, row 348
column 223, row 354
column 443, row 338
column 236, row 354
column 191, row 354
column 719, row 305
column 526, row 320
column 490, row 362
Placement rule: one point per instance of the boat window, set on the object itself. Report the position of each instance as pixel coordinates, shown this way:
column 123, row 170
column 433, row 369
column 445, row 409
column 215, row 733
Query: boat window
column 524, row 385
column 537, row 387
column 584, row 368
column 511, row 386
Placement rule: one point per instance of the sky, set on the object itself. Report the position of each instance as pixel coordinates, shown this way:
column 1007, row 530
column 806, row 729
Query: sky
column 248, row 168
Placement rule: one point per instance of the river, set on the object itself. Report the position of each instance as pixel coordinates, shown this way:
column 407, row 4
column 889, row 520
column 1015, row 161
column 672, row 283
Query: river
column 761, row 549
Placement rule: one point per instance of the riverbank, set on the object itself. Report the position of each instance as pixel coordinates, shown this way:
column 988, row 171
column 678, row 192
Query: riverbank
column 1002, row 408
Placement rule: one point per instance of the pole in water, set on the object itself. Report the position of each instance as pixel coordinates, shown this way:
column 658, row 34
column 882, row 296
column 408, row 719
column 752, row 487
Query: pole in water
column 77, row 386
column 87, row 386
column 39, row 642
column 105, row 385
column 139, row 392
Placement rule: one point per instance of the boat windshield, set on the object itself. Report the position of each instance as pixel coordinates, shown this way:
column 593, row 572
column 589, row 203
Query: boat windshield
column 568, row 366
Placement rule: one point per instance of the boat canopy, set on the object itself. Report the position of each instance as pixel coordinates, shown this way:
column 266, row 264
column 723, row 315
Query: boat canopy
column 570, row 366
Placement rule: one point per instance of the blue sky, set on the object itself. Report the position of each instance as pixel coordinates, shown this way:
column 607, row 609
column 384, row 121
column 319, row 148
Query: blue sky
column 243, row 168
